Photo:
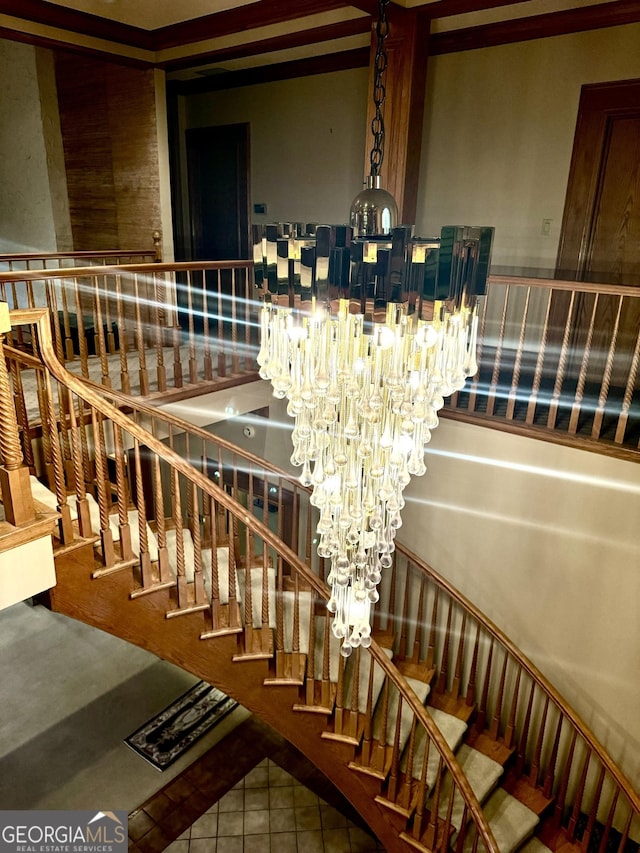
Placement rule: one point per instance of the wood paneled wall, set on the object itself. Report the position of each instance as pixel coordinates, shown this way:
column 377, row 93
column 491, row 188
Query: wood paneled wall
column 108, row 123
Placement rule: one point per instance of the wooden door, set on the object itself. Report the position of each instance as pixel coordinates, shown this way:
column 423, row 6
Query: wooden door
column 600, row 237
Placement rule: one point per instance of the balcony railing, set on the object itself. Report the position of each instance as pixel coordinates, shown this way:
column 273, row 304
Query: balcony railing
column 559, row 361
column 10, row 262
column 146, row 329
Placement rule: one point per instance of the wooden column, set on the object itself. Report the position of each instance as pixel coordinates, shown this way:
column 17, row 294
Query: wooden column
column 14, row 475
column 403, row 109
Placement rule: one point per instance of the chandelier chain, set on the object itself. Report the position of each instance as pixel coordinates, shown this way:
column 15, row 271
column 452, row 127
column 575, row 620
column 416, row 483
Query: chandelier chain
column 379, row 91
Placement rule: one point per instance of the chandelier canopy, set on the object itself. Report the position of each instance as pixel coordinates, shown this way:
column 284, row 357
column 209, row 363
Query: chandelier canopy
column 365, row 337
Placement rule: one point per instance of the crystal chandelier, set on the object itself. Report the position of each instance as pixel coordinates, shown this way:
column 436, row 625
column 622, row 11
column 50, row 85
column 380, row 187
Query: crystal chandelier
column 364, row 330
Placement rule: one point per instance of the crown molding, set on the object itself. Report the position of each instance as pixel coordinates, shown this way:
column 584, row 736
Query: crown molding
column 329, row 33
column 73, row 21
column 536, row 27
column 342, row 61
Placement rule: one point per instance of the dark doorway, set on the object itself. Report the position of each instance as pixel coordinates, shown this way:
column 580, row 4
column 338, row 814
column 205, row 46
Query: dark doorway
column 218, row 180
column 218, row 168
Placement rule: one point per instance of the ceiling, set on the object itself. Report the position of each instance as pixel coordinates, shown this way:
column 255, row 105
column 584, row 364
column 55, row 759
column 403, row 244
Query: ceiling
column 152, row 14
column 195, row 38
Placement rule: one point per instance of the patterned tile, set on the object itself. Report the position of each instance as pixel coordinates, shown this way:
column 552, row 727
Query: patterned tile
column 336, row 840
column 281, row 798
column 256, row 798
column 205, row 827
column 257, row 778
column 230, row 823
column 311, row 842
column 308, row 817
column 230, row 844
column 256, row 822
column 232, row 802
column 203, row 845
column 282, row 820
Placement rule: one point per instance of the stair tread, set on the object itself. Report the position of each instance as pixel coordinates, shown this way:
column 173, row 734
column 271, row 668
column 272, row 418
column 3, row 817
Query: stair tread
column 451, row 728
column 334, row 651
column 44, row 495
column 363, row 680
column 421, row 690
column 534, row 845
column 43, row 524
column 510, row 821
column 481, row 772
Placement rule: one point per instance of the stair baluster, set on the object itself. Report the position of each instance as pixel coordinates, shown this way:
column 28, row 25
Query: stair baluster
column 82, row 504
column 146, row 573
column 100, row 346
column 517, row 365
column 123, row 338
column 577, row 800
column 122, row 491
column 497, row 360
column 607, row 373
column 623, row 418
column 160, row 327
column 537, row 374
column 103, row 489
column 24, row 427
column 14, row 475
column 143, row 373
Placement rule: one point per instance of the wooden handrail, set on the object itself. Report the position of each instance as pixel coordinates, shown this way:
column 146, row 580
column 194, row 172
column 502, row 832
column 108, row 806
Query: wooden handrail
column 605, row 288
column 529, row 667
column 113, row 269
column 155, row 251
column 39, row 318
column 50, row 256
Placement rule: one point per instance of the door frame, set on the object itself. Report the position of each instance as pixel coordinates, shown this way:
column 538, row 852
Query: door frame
column 600, row 103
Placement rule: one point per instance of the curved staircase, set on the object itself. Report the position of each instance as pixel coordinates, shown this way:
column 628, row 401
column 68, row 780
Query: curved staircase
column 441, row 734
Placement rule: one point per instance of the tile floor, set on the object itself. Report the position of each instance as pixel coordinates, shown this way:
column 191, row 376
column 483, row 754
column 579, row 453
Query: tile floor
column 269, row 810
column 252, row 791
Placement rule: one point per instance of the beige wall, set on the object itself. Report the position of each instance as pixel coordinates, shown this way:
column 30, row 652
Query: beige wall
column 307, row 139
column 498, row 135
column 26, row 214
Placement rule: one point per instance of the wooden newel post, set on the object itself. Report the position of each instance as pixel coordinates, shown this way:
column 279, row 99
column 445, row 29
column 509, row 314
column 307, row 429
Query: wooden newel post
column 157, row 246
column 14, row 474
